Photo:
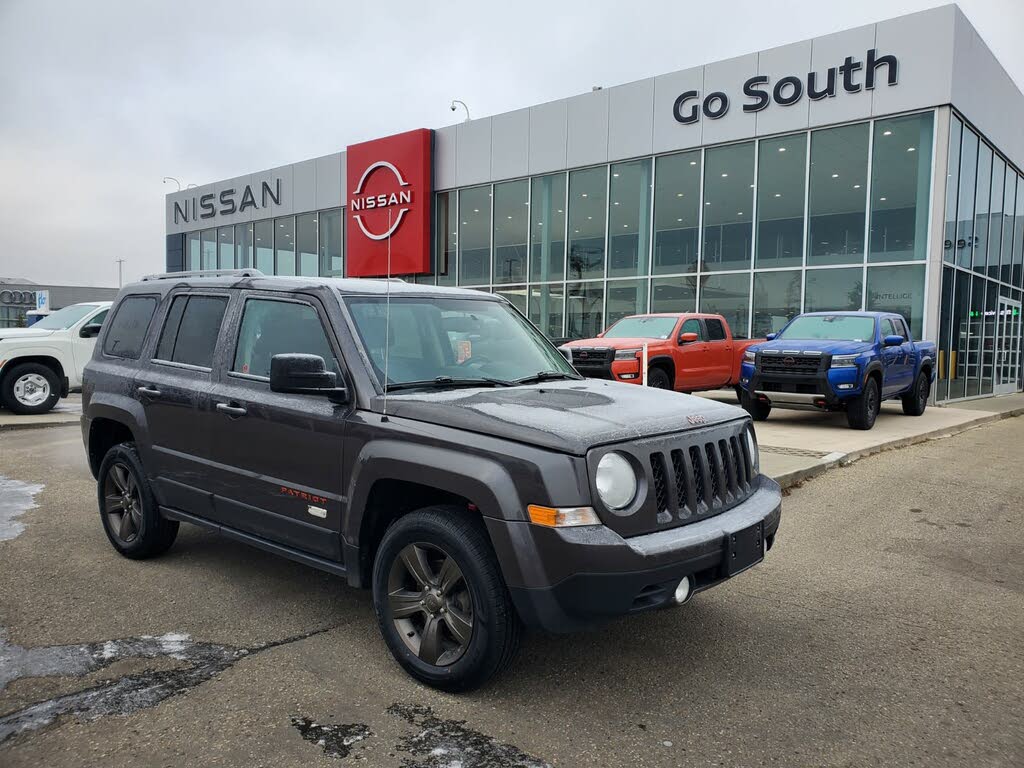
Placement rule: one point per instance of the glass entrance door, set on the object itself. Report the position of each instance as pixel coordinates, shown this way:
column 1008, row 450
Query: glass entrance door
column 1007, row 348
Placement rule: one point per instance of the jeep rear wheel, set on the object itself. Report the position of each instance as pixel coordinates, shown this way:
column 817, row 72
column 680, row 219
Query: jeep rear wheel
column 441, row 604
column 30, row 388
column 916, row 400
column 128, row 509
column 863, row 409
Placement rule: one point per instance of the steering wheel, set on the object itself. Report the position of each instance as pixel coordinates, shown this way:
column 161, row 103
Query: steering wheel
column 474, row 360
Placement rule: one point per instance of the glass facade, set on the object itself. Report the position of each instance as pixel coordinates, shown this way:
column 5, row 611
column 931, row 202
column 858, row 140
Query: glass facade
column 758, row 231
column 979, row 335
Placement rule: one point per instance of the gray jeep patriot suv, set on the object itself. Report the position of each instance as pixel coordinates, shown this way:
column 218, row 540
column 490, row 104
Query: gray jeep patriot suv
column 427, row 443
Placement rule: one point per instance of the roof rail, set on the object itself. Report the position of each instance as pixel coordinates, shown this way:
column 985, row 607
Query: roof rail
column 205, row 273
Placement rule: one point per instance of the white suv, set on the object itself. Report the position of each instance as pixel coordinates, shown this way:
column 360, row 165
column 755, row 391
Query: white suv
column 41, row 364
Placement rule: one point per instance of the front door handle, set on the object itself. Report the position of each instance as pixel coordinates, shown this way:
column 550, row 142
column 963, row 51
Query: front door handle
column 234, row 410
column 148, row 391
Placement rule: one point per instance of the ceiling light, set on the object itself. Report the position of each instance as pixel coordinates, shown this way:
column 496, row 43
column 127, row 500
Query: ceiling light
column 693, row 162
column 615, row 175
column 782, row 149
column 476, row 210
column 739, row 213
column 576, row 231
column 678, row 219
column 725, row 175
column 679, row 194
column 510, row 218
column 708, row 203
column 856, row 186
column 589, row 218
column 835, row 175
column 559, row 210
column 778, row 194
column 584, row 194
column 911, row 149
column 882, row 199
column 625, row 226
column 465, row 222
column 616, row 202
column 887, row 133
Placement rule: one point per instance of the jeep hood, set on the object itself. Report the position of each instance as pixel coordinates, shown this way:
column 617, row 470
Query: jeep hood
column 568, row 416
column 15, row 334
column 825, row 346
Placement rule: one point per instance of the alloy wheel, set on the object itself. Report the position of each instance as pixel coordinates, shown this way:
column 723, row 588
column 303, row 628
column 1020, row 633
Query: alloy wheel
column 122, row 503
column 31, row 390
column 430, row 604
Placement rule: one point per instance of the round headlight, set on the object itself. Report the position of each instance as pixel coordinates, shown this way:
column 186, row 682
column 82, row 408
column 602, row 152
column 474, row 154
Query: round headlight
column 755, row 458
column 616, row 481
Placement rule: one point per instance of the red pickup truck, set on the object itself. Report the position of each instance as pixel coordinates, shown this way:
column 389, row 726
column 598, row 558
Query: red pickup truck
column 687, row 352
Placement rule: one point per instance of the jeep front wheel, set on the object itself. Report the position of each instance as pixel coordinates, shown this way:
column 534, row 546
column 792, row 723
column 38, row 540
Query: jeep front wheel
column 30, row 388
column 441, row 603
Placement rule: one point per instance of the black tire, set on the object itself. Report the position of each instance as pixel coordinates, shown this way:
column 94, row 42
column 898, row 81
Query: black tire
column 32, row 380
column 863, row 409
column 145, row 532
column 916, row 400
column 495, row 629
column 758, row 411
column 658, row 378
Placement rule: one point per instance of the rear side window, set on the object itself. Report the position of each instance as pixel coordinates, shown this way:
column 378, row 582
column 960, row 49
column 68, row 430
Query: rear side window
column 127, row 330
column 716, row 331
column 279, row 327
column 190, row 332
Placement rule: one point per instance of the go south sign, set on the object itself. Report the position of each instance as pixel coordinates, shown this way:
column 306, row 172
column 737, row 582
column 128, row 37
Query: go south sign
column 387, row 225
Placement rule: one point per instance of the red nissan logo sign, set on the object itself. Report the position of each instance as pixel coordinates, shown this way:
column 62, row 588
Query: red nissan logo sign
column 389, row 191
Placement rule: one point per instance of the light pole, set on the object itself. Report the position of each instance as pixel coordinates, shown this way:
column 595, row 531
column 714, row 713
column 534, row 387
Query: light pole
column 120, row 265
column 171, row 178
column 462, row 104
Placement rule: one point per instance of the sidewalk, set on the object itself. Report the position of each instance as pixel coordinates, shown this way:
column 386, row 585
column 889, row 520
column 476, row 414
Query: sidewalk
column 67, row 411
column 798, row 445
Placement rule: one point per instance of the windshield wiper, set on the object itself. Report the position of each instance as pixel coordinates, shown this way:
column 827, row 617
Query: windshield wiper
column 544, row 376
column 448, row 382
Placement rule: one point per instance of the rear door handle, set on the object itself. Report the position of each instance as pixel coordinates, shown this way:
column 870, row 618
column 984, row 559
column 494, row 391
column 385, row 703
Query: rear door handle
column 234, row 410
column 148, row 391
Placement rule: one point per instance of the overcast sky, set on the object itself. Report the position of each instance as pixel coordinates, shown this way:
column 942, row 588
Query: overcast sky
column 99, row 100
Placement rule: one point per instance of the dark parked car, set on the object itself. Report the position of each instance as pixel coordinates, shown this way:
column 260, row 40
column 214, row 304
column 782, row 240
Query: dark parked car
column 427, row 443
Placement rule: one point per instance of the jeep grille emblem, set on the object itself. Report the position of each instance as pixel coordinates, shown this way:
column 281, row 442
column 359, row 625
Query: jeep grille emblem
column 697, row 419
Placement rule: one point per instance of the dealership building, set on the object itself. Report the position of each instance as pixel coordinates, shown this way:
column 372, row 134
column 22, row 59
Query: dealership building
column 879, row 168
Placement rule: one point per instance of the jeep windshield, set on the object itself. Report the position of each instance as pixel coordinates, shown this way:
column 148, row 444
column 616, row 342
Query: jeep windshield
column 447, row 342
column 830, row 328
column 63, row 319
column 642, row 327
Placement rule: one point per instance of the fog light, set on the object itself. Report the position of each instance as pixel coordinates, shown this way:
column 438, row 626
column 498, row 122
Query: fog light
column 683, row 591
column 628, row 375
column 845, row 386
column 744, row 381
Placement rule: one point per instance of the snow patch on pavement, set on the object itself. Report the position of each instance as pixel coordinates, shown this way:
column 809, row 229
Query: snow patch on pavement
column 16, row 498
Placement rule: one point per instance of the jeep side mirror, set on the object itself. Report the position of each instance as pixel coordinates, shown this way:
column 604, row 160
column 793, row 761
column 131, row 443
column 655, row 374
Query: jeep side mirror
column 687, row 338
column 300, row 374
column 90, row 330
column 770, row 336
column 893, row 340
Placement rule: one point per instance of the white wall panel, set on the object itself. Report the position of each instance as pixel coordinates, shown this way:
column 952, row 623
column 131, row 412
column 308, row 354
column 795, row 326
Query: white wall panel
column 473, row 152
column 445, row 143
column 669, row 133
column 510, row 144
column 789, row 60
column 923, row 43
column 831, row 51
column 728, row 77
column 547, row 137
column 631, row 120
column 587, row 116
column 304, row 186
column 330, row 181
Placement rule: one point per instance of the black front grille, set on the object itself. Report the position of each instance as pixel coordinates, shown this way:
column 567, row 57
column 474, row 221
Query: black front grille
column 592, row 355
column 791, row 365
column 701, row 480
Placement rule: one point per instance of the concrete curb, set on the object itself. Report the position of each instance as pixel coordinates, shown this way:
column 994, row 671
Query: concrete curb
column 789, row 479
column 17, row 426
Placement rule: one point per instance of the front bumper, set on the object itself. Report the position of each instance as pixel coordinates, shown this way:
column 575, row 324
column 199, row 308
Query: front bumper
column 566, row 579
column 827, row 388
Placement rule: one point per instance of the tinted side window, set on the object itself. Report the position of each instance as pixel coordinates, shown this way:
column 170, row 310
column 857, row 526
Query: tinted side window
column 128, row 328
column 692, row 326
column 716, row 331
column 99, row 317
column 190, row 333
column 278, row 327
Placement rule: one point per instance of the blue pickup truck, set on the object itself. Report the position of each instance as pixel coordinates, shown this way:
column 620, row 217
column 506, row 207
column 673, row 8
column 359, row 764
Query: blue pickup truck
column 838, row 361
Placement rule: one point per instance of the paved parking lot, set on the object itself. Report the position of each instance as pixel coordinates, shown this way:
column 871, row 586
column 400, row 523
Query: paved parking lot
column 886, row 627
